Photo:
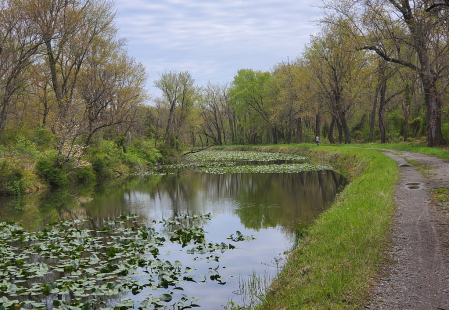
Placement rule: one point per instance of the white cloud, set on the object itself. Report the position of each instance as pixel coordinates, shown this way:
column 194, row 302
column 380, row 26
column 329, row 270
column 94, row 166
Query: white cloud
column 213, row 39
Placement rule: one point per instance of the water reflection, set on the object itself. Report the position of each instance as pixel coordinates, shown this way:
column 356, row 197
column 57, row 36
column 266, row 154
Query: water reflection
column 259, row 200
column 270, row 206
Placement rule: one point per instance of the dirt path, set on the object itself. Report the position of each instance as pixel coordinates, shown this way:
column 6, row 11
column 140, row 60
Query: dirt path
column 418, row 276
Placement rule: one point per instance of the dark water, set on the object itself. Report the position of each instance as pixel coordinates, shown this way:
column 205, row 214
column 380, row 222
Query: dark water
column 272, row 207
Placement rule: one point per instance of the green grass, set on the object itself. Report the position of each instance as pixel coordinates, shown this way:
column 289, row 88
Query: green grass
column 440, row 152
column 332, row 266
column 423, row 169
column 415, row 148
column 441, row 194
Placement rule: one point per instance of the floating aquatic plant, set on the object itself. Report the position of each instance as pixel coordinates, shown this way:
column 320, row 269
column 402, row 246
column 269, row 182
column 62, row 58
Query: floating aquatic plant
column 66, row 266
column 220, row 162
column 283, row 168
column 241, row 155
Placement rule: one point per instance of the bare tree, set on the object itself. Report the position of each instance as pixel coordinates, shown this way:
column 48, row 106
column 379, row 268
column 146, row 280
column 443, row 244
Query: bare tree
column 179, row 92
column 214, row 113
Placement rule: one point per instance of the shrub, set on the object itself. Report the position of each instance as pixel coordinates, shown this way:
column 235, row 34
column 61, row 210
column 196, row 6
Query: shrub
column 120, row 142
column 445, row 131
column 85, row 174
column 15, row 184
column 55, row 175
column 145, row 151
column 12, row 180
column 43, row 137
column 98, row 164
column 133, row 161
column 166, row 155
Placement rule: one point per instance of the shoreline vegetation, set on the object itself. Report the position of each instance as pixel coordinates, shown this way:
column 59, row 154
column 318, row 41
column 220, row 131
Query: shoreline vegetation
column 27, row 166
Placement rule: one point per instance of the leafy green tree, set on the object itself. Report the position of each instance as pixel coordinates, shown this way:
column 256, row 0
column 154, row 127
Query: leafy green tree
column 248, row 98
column 290, row 85
column 337, row 70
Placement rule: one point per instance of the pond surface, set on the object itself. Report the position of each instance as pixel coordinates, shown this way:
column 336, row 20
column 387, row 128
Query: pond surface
column 272, row 207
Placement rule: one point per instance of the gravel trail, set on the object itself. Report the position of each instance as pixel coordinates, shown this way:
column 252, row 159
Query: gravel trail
column 418, row 275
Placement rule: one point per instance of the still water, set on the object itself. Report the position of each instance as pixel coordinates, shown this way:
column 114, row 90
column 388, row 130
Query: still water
column 271, row 207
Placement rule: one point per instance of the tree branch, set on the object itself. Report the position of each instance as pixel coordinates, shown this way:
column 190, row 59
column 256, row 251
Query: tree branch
column 388, row 58
column 435, row 5
column 195, row 151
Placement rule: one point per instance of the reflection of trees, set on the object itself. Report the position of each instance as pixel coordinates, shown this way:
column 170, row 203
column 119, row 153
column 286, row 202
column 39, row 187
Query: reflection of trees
column 259, row 200
column 263, row 200
column 269, row 200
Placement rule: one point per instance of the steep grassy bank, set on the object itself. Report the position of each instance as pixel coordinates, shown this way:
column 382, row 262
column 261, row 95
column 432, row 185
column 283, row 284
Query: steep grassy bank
column 332, row 266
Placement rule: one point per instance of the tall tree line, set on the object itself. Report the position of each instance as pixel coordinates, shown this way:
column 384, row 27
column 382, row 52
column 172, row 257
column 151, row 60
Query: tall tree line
column 376, row 71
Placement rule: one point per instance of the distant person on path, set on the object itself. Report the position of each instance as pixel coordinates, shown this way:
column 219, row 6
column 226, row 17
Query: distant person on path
column 317, row 139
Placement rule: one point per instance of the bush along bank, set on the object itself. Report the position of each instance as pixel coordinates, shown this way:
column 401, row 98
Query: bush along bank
column 334, row 262
column 26, row 166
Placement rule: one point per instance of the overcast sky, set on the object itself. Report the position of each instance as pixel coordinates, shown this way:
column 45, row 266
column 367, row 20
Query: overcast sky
column 213, row 39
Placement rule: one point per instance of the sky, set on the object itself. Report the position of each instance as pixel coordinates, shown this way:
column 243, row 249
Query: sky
column 213, row 39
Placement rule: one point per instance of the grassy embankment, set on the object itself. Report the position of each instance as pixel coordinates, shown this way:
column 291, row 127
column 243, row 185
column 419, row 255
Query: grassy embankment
column 28, row 166
column 415, row 148
column 333, row 265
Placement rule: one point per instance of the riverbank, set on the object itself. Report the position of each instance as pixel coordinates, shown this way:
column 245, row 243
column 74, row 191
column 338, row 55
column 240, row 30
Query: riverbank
column 26, row 167
column 334, row 263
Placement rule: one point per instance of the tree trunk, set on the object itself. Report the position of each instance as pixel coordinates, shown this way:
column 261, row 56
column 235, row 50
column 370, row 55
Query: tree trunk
column 6, row 101
column 53, row 72
column 433, row 103
column 373, row 113
column 3, row 117
column 274, row 132
column 219, row 138
column 193, row 139
column 406, row 121
column 382, row 105
column 318, row 125
column 169, row 121
column 330, row 134
column 299, row 130
column 406, row 103
column 340, row 131
column 344, row 125
column 45, row 116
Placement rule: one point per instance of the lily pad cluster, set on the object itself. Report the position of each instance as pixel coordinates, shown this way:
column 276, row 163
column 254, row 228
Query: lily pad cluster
column 195, row 165
column 241, row 155
column 283, row 168
column 67, row 266
column 222, row 162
